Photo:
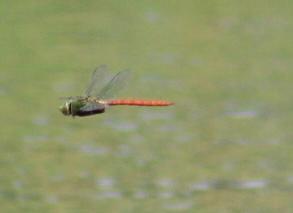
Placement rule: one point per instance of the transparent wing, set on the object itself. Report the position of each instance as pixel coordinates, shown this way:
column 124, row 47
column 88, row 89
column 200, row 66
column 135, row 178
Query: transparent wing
column 70, row 98
column 99, row 76
column 114, row 85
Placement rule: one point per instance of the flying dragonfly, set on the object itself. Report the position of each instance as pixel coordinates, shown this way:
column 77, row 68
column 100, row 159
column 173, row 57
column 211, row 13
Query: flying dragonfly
column 97, row 95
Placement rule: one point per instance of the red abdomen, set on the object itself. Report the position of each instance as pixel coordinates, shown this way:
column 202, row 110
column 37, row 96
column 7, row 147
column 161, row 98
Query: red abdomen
column 134, row 102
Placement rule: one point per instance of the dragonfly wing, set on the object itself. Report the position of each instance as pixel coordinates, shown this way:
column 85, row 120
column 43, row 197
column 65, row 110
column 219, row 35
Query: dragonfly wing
column 70, row 98
column 114, row 85
column 98, row 77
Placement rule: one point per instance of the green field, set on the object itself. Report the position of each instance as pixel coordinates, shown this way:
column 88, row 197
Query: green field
column 226, row 146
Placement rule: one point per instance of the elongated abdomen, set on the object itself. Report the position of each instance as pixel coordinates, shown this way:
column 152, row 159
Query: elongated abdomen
column 134, row 102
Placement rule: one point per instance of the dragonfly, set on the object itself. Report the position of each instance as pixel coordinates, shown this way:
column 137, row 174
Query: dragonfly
column 96, row 98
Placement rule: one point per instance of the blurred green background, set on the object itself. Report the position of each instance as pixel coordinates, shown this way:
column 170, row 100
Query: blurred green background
column 226, row 146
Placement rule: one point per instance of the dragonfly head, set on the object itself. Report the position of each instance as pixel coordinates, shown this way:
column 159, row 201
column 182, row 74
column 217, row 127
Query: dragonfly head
column 65, row 108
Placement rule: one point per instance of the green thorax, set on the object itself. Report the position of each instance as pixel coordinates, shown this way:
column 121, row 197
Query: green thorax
column 76, row 105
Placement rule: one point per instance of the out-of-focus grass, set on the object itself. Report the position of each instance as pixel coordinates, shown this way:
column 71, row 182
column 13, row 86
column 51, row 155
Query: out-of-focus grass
column 224, row 146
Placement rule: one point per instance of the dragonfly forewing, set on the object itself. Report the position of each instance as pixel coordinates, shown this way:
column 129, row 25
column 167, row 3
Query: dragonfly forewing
column 97, row 81
column 115, row 85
